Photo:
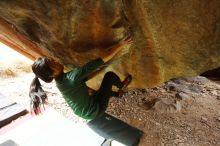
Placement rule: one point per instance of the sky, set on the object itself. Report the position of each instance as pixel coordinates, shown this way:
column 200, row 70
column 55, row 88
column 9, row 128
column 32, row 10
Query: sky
column 9, row 55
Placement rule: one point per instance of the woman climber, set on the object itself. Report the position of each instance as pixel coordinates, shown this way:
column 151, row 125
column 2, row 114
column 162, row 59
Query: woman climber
column 73, row 87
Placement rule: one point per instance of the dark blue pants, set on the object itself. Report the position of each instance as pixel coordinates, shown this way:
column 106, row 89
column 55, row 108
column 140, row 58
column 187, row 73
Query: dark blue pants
column 105, row 91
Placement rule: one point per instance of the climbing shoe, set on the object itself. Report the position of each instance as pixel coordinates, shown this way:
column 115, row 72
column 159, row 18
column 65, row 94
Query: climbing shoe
column 125, row 83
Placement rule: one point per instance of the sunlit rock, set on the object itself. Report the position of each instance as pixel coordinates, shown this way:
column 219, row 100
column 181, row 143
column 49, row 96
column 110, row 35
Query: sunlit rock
column 170, row 38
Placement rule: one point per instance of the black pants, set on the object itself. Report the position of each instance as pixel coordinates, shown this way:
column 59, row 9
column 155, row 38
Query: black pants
column 105, row 91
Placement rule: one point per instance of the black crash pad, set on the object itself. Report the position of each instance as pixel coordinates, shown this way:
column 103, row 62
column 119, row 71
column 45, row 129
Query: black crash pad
column 9, row 110
column 110, row 127
column 9, row 143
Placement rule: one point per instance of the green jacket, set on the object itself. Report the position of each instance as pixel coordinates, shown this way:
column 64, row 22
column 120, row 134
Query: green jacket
column 74, row 90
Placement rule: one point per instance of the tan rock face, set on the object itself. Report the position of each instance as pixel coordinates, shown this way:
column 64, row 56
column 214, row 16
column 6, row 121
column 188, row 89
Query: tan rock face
column 171, row 38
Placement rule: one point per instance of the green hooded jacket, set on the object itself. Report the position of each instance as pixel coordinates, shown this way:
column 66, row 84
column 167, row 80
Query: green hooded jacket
column 74, row 90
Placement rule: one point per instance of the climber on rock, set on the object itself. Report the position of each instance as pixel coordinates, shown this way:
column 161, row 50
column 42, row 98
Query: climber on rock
column 73, row 86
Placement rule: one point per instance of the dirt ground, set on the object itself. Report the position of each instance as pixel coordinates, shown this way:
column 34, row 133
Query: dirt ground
column 181, row 112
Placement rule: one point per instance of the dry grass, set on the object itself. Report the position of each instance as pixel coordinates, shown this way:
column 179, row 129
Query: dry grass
column 5, row 73
column 22, row 67
column 12, row 63
column 12, row 69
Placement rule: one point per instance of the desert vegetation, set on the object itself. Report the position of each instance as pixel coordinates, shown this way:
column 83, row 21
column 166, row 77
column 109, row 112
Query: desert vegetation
column 12, row 63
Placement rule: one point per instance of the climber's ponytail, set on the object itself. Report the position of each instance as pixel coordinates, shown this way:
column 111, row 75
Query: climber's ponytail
column 37, row 96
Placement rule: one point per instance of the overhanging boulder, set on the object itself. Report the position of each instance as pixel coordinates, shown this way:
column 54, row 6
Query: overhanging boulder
column 171, row 38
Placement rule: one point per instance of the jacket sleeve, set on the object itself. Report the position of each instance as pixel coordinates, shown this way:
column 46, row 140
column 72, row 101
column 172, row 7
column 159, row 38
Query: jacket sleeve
column 85, row 70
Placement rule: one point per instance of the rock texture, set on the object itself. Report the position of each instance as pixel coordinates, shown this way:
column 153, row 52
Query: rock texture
column 170, row 38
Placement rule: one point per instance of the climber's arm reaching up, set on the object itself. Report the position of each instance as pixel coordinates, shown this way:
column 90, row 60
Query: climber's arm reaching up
column 114, row 50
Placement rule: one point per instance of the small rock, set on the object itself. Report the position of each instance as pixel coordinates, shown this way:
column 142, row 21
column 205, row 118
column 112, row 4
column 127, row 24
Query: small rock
column 197, row 79
column 171, row 86
column 204, row 119
column 167, row 105
column 218, row 119
column 214, row 92
column 180, row 81
column 182, row 96
column 186, row 90
column 218, row 98
column 156, row 123
column 196, row 89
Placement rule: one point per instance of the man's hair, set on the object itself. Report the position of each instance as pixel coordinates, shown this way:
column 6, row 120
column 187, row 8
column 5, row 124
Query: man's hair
column 42, row 70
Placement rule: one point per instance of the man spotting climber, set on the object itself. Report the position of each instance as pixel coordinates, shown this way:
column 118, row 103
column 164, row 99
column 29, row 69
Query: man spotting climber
column 73, row 87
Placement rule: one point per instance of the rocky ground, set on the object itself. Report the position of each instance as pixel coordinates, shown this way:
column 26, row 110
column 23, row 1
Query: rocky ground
column 181, row 112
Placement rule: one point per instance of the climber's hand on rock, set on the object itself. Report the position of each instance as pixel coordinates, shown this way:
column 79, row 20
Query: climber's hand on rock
column 127, row 40
column 115, row 49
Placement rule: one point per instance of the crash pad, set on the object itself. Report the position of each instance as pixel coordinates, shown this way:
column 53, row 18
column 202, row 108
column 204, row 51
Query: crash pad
column 50, row 129
column 112, row 128
column 9, row 110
